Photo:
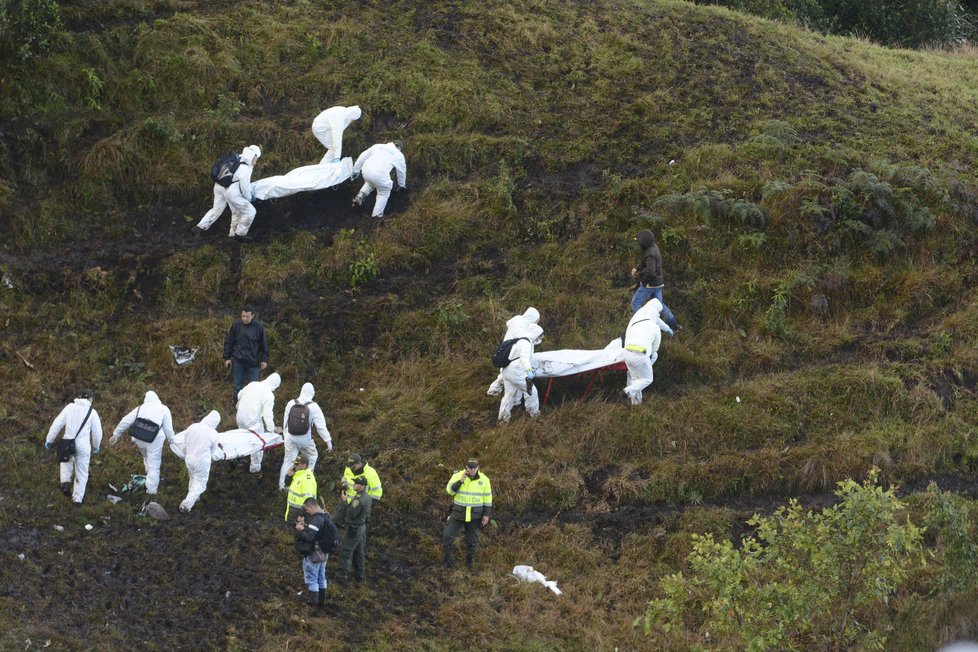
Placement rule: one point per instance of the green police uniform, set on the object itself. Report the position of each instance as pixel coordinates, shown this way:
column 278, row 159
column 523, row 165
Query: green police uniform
column 352, row 515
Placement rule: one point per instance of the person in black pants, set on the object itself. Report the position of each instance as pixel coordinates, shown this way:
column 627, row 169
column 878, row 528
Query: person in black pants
column 245, row 350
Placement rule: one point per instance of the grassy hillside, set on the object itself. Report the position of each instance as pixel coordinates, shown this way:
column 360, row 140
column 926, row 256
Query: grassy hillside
column 815, row 203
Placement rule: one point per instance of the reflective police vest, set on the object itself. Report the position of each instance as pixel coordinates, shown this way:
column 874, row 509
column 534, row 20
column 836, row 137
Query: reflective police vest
column 303, row 486
column 473, row 495
column 374, row 488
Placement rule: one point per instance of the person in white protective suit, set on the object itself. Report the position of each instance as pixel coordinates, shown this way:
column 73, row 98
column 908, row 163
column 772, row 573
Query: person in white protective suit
column 199, row 445
column 328, row 128
column 303, row 442
column 642, row 338
column 376, row 164
column 515, row 327
column 256, row 405
column 518, row 374
column 152, row 452
column 80, row 422
column 238, row 195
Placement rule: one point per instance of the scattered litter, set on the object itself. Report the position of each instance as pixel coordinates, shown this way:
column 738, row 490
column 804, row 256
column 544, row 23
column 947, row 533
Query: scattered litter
column 527, row 574
column 20, row 556
column 89, row 527
column 361, row 389
column 136, row 482
column 182, row 354
column 738, row 399
column 299, row 593
column 227, row 595
column 113, row 487
column 155, row 510
column 113, row 499
column 672, row 161
column 59, row 528
column 7, row 283
column 25, row 360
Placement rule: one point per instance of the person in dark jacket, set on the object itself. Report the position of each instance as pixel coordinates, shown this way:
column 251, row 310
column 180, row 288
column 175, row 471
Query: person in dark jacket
column 311, row 531
column 649, row 277
column 245, row 350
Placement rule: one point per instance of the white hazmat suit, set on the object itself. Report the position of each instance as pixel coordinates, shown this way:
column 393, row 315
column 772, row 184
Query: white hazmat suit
column 642, row 339
column 256, row 405
column 515, row 327
column 295, row 444
column 516, row 375
column 152, row 452
column 328, row 128
column 88, row 439
column 200, row 446
column 238, row 195
column 376, row 164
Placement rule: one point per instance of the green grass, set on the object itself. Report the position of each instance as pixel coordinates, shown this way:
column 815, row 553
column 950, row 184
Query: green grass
column 539, row 137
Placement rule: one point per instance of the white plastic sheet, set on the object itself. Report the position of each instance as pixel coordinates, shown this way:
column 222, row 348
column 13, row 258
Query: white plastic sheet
column 568, row 362
column 233, row 443
column 305, row 179
column 527, row 574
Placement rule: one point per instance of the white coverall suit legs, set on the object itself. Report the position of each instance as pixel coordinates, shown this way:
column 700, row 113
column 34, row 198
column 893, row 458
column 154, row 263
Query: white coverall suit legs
column 642, row 339
column 515, row 385
column 256, row 404
column 152, row 452
column 328, row 128
column 303, row 443
column 87, row 435
column 237, row 195
column 200, row 444
column 515, row 327
column 376, row 164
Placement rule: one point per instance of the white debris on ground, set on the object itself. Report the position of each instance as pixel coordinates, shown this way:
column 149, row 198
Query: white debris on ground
column 527, row 574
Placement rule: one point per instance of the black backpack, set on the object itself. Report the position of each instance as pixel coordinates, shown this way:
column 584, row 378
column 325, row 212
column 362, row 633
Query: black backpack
column 500, row 358
column 298, row 421
column 222, row 172
column 328, row 537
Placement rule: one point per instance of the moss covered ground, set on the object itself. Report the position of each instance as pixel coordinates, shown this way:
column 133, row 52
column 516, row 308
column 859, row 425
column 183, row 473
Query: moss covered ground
column 814, row 199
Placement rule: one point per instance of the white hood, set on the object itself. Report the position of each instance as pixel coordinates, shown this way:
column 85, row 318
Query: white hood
column 307, row 392
column 212, row 420
column 650, row 310
column 250, row 154
column 151, row 397
column 533, row 332
column 273, row 381
column 532, row 315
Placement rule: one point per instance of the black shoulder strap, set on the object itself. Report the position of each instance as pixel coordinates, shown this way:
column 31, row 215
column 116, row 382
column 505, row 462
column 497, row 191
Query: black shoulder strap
column 90, row 407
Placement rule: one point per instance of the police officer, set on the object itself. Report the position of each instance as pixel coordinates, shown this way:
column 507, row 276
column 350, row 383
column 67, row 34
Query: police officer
column 471, row 507
column 352, row 515
column 303, row 486
column 356, row 466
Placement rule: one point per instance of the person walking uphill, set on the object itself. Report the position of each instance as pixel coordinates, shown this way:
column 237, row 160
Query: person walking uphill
column 641, row 342
column 649, row 277
column 471, row 508
column 256, row 407
column 353, row 514
column 328, row 128
column 150, row 425
column 376, row 164
column 245, row 350
column 301, row 415
column 82, row 439
column 232, row 186
column 200, row 445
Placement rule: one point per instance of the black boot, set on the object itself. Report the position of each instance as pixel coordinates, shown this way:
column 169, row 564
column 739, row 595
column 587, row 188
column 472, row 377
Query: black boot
column 447, row 560
column 313, row 599
column 469, row 560
column 66, row 488
column 322, row 598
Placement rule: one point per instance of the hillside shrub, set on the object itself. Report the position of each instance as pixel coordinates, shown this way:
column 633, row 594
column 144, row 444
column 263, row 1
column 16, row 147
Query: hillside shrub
column 805, row 580
column 924, row 23
column 28, row 27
